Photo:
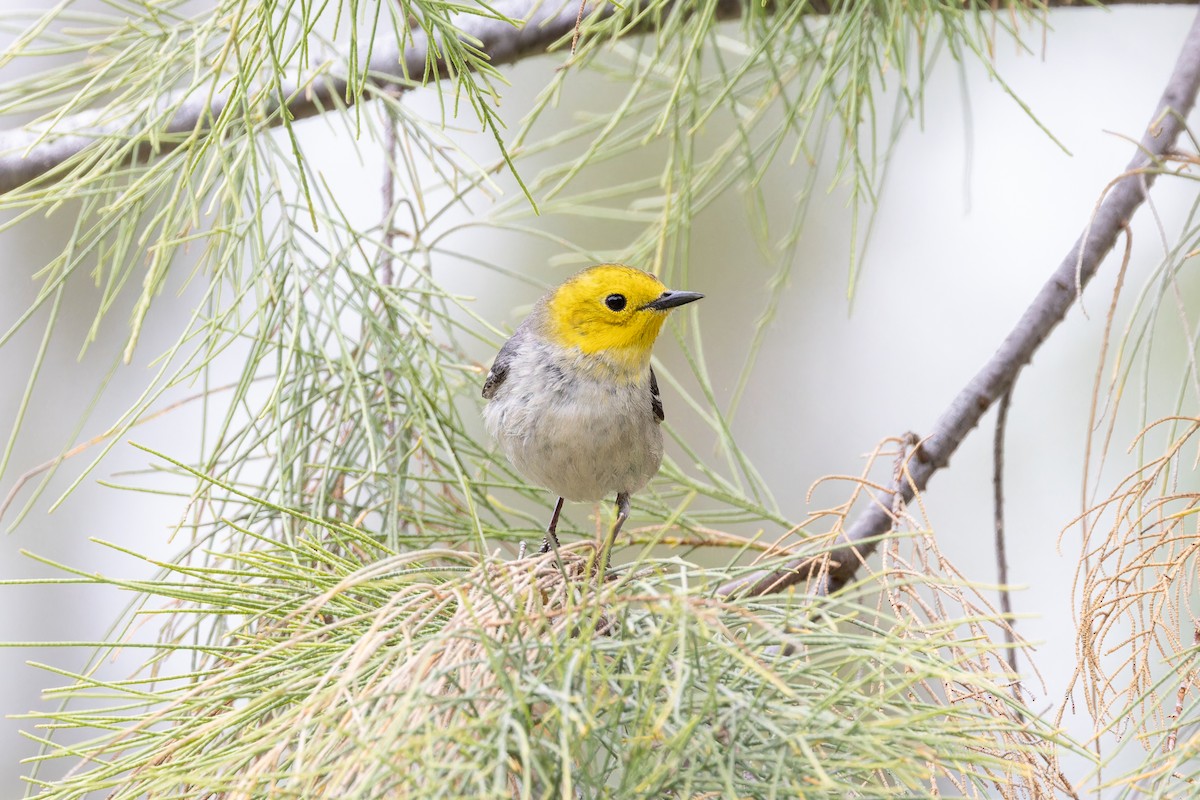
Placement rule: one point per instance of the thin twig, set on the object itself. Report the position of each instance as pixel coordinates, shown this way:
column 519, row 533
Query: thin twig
column 387, row 275
column 1010, row 638
column 1049, row 307
column 899, row 469
column 578, row 26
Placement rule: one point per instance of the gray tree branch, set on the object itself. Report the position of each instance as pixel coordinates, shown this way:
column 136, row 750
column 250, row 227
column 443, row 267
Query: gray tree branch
column 29, row 155
column 1048, row 308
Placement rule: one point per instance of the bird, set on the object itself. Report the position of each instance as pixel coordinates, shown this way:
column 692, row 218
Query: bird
column 572, row 400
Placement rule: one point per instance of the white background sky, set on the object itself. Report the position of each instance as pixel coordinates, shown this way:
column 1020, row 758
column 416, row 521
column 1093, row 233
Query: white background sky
column 943, row 285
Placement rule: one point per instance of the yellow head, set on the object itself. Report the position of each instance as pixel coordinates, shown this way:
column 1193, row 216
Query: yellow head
column 614, row 310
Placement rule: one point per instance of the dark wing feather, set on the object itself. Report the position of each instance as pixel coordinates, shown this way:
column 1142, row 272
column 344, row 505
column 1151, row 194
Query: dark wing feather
column 655, row 398
column 499, row 370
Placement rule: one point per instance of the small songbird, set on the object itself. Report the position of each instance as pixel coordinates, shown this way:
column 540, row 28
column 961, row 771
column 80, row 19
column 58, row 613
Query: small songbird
column 572, row 400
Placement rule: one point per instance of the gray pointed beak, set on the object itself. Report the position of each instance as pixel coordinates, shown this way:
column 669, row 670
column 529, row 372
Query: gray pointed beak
column 668, row 300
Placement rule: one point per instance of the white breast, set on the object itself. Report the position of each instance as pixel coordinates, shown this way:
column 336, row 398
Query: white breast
column 584, row 439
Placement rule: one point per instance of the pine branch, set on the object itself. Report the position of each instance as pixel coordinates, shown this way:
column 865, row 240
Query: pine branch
column 30, row 155
column 1122, row 198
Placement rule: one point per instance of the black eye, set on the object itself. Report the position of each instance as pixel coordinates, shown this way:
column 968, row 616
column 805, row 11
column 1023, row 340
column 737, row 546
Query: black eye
column 615, row 302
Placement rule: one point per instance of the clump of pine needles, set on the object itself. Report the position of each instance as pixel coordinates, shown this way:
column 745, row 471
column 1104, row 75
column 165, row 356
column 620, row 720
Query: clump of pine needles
column 437, row 673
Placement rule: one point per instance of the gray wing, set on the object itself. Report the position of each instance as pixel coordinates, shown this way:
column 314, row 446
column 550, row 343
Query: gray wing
column 499, row 370
column 655, row 398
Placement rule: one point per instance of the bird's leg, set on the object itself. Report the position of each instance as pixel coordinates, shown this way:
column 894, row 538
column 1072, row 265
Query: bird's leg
column 604, row 557
column 550, row 542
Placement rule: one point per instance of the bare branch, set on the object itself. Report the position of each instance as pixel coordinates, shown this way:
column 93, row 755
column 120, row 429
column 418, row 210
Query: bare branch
column 1010, row 638
column 1048, row 308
